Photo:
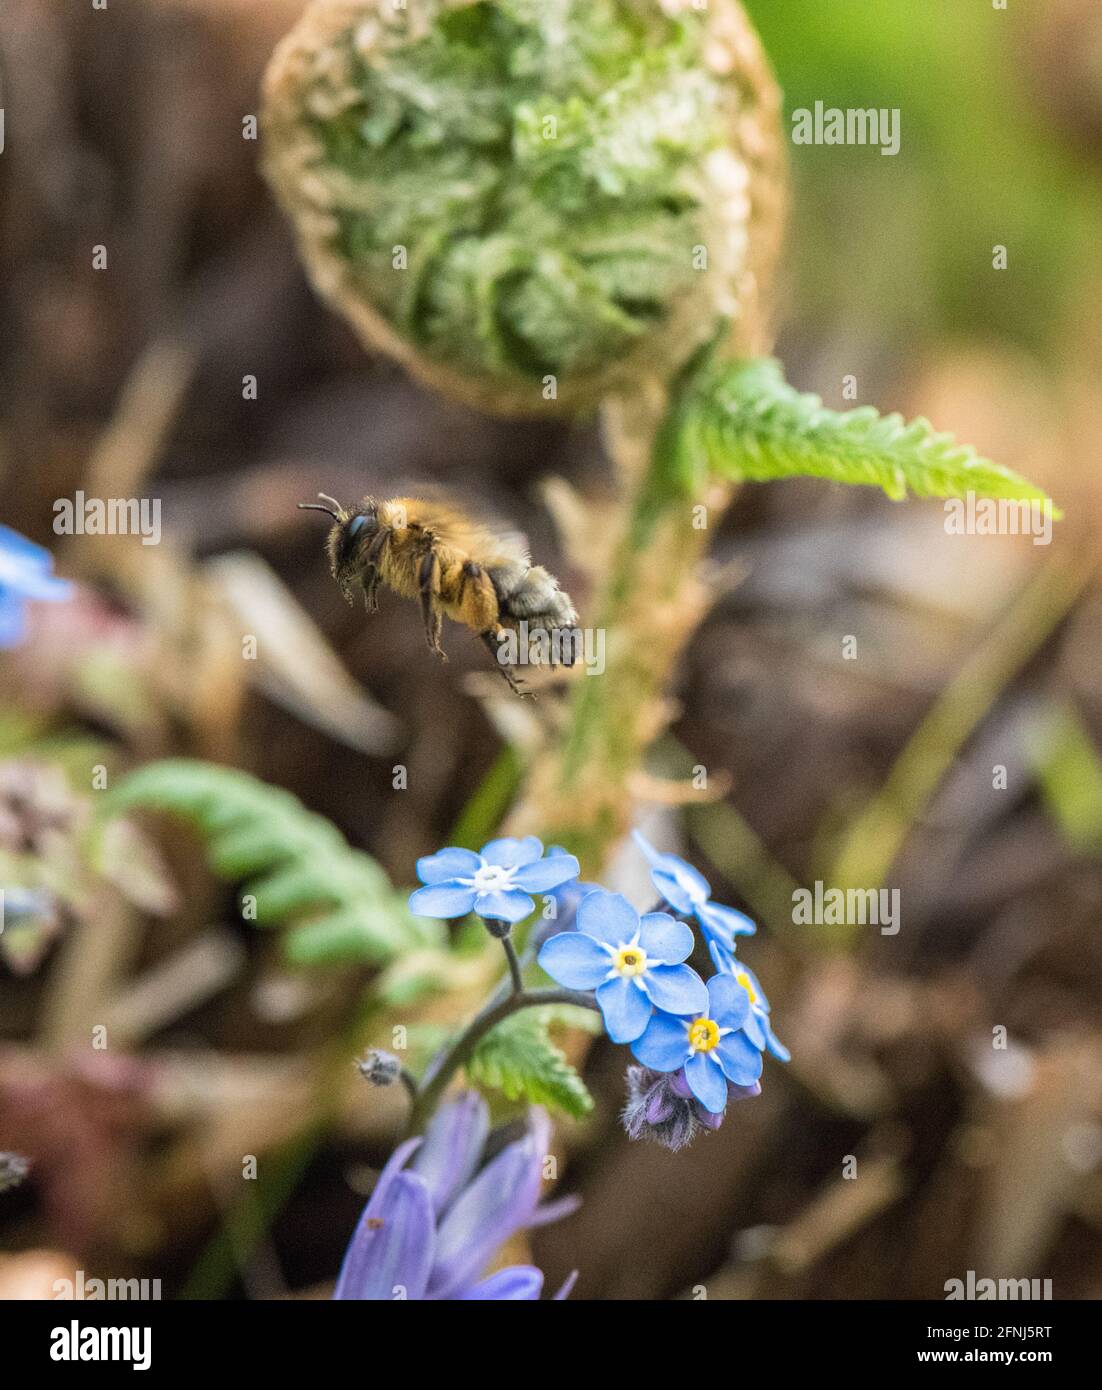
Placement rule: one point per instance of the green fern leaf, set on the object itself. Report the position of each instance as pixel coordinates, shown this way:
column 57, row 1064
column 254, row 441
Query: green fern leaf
column 743, row 422
column 518, row 1058
column 295, row 865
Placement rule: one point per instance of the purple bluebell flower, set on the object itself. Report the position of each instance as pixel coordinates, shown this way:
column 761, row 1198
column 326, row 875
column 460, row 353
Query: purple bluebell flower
column 632, row 962
column 757, row 1026
column 711, row 1046
column 661, row 1107
column 495, row 884
column 688, row 892
column 436, row 1217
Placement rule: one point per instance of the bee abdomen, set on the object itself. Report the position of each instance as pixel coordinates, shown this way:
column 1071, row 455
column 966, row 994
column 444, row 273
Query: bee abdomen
column 534, row 595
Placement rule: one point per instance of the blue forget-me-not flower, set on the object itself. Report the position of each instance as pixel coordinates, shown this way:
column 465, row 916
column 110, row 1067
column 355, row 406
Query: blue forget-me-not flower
column 635, row 964
column 495, row 884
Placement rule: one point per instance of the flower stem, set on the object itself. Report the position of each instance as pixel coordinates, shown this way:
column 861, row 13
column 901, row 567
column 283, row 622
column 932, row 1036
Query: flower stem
column 514, row 964
column 446, row 1063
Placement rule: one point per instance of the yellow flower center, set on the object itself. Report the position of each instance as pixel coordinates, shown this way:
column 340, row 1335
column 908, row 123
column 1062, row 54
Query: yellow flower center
column 703, row 1034
column 630, row 961
column 744, row 981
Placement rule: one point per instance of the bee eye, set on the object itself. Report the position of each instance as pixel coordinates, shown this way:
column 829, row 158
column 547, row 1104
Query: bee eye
column 356, row 525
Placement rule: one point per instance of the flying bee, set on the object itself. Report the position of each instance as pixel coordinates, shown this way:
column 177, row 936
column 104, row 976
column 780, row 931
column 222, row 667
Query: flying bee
column 456, row 567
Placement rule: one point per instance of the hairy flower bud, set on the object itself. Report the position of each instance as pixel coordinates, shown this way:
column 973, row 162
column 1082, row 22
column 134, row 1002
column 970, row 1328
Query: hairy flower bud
column 380, row 1068
column 529, row 204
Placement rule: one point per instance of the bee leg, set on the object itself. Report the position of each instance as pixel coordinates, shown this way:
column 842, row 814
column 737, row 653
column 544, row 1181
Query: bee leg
column 489, row 639
column 429, row 578
column 370, row 581
column 471, row 570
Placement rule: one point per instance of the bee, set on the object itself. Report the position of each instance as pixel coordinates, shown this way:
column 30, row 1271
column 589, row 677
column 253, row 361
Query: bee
column 456, row 567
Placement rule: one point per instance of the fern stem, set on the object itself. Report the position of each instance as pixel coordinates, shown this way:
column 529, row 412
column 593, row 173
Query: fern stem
column 446, row 1063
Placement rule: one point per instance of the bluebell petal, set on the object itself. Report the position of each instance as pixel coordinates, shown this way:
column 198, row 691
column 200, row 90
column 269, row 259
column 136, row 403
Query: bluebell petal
column 448, row 864
column 575, row 960
column 664, row 1045
column 390, row 1254
column 442, row 900
column 546, row 874
column 566, row 1286
column 517, row 1283
column 500, row 1201
column 504, row 905
column 452, row 1148
column 608, row 916
column 724, row 923
column 739, row 1058
column 665, row 939
column 707, row 1082
column 728, row 1002
column 509, row 853
column 625, row 1007
column 676, row 989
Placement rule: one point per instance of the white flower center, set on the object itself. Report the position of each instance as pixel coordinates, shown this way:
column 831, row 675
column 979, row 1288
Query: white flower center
column 491, row 878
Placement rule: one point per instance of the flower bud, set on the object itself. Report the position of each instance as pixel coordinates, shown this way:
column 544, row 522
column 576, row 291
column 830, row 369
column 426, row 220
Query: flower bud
column 380, row 1068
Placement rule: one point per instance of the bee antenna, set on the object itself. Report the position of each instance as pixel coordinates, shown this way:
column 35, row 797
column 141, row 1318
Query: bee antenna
column 314, row 507
column 324, row 496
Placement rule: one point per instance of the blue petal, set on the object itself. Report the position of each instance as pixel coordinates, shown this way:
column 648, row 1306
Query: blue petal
column 688, row 884
column 707, row 1082
column 739, row 1058
column 671, row 888
column 517, row 1283
column 754, row 1028
column 448, row 864
column 546, row 874
column 504, row 905
column 760, row 1003
column 20, row 549
column 676, row 989
column 728, row 1002
column 441, row 900
column 625, row 1007
column 13, row 619
column 724, row 923
column 664, row 1045
column 574, row 960
column 391, row 1251
column 774, row 1044
column 449, row 1156
column 665, row 939
column 608, row 916
column 509, row 854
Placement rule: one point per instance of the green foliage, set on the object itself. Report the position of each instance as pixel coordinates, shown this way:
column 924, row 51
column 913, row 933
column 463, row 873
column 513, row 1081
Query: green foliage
column 1070, row 773
column 295, row 864
column 742, row 421
column 518, row 1058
